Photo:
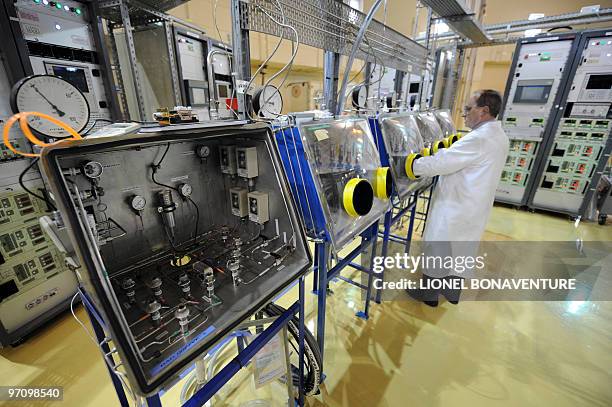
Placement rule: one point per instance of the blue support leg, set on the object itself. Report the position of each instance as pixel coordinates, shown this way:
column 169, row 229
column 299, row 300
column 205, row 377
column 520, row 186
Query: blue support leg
column 321, row 250
column 385, row 248
column 100, row 336
column 315, row 271
column 411, row 224
column 371, row 237
column 302, row 331
column 154, row 401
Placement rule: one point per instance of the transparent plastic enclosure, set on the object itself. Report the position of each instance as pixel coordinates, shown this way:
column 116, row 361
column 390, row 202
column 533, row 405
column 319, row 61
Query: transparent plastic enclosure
column 345, row 165
column 402, row 137
column 445, row 121
column 429, row 128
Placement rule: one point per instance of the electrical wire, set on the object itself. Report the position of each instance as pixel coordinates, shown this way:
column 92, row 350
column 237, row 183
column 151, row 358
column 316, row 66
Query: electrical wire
column 230, row 59
column 261, row 66
column 294, row 49
column 122, row 377
column 96, row 121
column 155, row 168
column 22, row 184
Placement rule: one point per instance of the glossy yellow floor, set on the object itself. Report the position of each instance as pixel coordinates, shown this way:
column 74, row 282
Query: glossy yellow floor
column 475, row 354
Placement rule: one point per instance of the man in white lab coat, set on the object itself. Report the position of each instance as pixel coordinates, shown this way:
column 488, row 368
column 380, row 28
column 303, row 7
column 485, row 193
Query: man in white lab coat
column 469, row 173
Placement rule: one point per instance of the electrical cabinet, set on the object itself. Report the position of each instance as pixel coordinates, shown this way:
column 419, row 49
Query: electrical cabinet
column 580, row 144
column 538, row 74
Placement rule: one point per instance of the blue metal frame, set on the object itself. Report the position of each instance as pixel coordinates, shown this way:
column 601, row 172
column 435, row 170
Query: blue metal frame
column 322, row 276
column 220, row 379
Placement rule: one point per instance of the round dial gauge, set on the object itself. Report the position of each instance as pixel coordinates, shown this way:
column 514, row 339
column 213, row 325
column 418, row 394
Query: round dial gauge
column 54, row 96
column 185, row 190
column 203, row 151
column 92, row 169
column 267, row 102
column 138, row 203
column 360, row 97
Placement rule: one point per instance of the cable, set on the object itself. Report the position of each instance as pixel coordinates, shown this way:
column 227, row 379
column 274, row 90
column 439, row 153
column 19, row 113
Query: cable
column 96, row 121
column 22, row 118
column 230, row 59
column 294, row 49
column 265, row 62
column 155, row 168
column 21, row 183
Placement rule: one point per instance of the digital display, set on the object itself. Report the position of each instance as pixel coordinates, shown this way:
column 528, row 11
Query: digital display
column 599, row 82
column 532, row 94
column 75, row 76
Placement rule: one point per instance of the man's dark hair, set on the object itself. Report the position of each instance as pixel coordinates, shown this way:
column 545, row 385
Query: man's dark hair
column 490, row 98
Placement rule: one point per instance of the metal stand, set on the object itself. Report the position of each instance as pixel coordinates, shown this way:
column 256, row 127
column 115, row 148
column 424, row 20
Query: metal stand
column 391, row 219
column 322, row 276
column 245, row 354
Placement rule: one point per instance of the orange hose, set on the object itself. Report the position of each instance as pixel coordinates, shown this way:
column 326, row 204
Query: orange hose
column 25, row 128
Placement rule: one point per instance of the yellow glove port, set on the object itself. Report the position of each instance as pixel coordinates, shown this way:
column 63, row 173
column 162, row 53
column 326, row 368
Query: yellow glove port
column 453, row 138
column 382, row 183
column 426, row 152
column 408, row 166
column 439, row 144
column 358, row 197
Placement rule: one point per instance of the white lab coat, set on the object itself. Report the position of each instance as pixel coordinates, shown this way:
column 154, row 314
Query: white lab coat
column 469, row 174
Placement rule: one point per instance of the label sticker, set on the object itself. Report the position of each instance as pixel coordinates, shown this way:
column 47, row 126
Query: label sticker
column 321, row 134
column 270, row 362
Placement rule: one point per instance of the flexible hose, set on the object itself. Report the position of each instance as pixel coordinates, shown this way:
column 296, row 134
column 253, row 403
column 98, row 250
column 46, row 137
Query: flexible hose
column 354, row 49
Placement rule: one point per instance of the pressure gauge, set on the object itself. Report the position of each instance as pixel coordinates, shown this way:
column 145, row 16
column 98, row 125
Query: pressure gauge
column 54, row 96
column 92, row 169
column 185, row 190
column 360, row 97
column 203, row 151
column 267, row 102
column 138, row 203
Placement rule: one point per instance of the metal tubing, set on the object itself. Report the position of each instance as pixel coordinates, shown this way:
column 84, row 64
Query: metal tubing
column 355, row 48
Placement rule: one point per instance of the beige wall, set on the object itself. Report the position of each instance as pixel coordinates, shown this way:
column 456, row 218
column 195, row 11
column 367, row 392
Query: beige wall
column 492, row 64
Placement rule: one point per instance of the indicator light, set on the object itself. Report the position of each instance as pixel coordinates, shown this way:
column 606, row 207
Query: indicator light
column 78, row 11
column 45, row 2
column 66, row 8
column 58, row 5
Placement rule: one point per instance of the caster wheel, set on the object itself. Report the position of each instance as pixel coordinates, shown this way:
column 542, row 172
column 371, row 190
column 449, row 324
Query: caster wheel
column 602, row 219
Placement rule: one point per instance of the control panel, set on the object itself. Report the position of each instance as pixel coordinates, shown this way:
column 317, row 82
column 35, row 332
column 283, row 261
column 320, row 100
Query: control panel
column 581, row 142
column 60, row 42
column 535, row 81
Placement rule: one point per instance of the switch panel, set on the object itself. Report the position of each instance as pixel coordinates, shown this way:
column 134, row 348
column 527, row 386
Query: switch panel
column 258, row 207
column 239, row 200
column 246, row 160
column 227, row 156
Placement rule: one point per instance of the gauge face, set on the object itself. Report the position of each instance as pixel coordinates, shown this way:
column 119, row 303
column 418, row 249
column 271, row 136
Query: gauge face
column 54, row 96
column 92, row 169
column 268, row 102
column 360, row 97
column 138, row 203
column 203, row 151
column 185, row 189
